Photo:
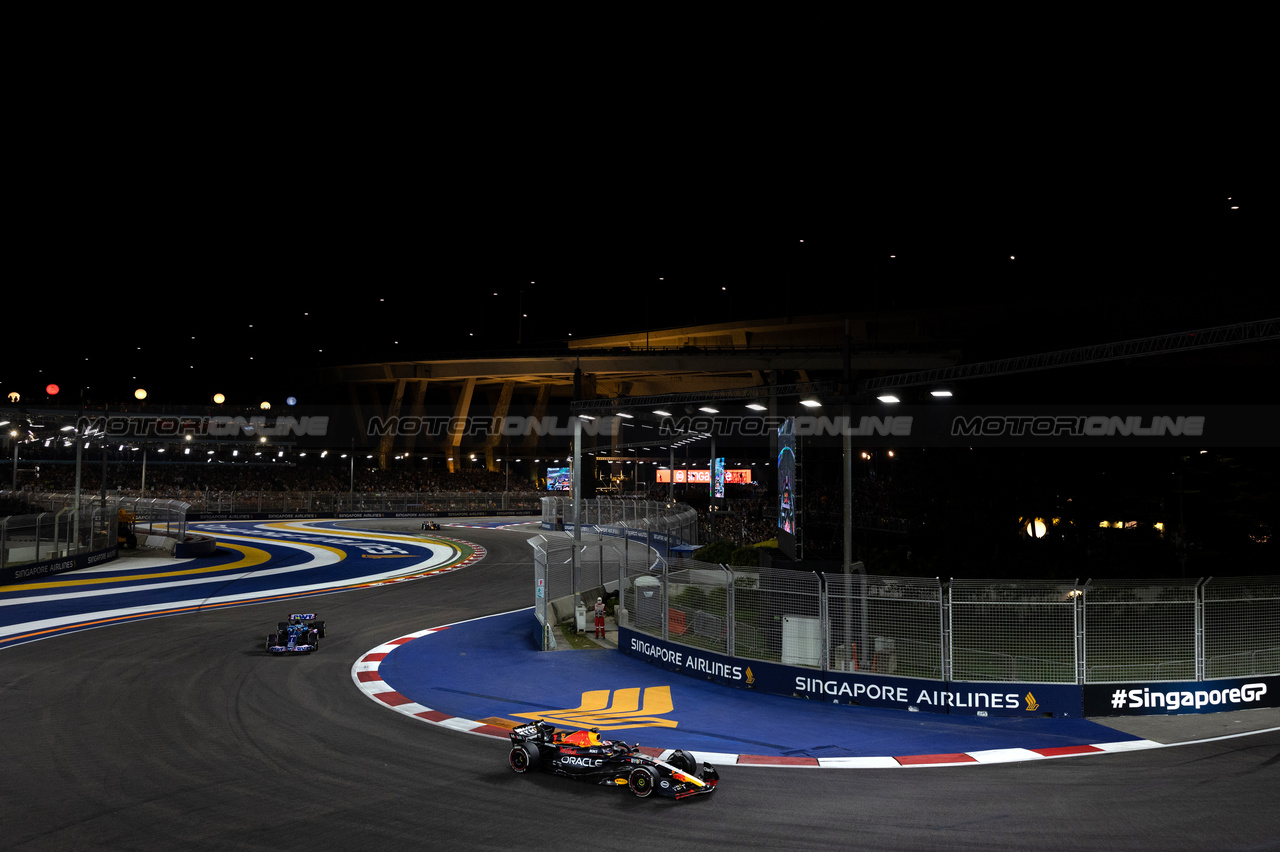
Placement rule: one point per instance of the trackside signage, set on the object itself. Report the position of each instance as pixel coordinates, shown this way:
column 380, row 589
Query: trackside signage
column 869, row 690
column 1200, row 696
column 48, row 568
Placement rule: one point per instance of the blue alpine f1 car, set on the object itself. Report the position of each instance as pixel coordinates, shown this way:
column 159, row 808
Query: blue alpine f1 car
column 301, row 634
column 612, row 763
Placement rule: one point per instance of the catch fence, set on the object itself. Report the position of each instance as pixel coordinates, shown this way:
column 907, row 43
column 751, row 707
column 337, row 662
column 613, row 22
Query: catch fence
column 616, row 537
column 150, row 515
column 443, row 503
column 1241, row 628
column 614, row 515
column 1101, row 631
column 59, row 534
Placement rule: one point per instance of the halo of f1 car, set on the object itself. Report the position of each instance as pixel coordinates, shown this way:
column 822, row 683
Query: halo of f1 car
column 613, row 763
column 301, row 634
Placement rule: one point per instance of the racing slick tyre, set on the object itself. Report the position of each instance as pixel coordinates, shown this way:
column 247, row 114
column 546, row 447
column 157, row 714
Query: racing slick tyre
column 271, row 640
column 685, row 762
column 524, row 757
column 282, row 626
column 642, row 781
column 319, row 628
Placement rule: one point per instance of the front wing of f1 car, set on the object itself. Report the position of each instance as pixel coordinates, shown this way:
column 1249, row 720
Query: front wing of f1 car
column 585, row 756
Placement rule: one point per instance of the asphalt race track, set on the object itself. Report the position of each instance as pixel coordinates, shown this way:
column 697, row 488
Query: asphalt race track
column 180, row 732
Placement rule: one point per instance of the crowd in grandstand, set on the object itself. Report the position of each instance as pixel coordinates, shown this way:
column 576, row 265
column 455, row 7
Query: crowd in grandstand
column 179, row 481
column 747, row 516
column 901, row 524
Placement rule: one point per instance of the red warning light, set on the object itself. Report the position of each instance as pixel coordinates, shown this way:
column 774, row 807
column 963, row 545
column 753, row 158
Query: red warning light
column 52, row 390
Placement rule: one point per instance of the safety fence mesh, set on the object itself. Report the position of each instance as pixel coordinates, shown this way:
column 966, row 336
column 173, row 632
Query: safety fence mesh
column 885, row 624
column 69, row 525
column 1013, row 631
column 962, row 630
column 442, row 503
column 39, row 537
column 674, row 521
column 1140, row 630
column 1241, row 627
column 1024, row 631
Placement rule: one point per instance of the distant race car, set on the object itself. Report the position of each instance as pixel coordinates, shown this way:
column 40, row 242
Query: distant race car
column 301, row 634
column 587, row 757
column 430, row 525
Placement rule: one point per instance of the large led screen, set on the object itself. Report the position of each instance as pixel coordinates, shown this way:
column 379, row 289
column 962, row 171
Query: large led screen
column 787, row 487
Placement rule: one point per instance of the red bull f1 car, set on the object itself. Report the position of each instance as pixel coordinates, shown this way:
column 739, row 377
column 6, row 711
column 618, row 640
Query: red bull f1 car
column 587, row 757
column 301, row 634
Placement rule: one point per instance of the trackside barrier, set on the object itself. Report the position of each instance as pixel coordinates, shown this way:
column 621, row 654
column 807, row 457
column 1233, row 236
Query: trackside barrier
column 571, row 568
column 993, row 641
column 229, row 505
column 660, row 524
column 47, row 543
column 156, row 522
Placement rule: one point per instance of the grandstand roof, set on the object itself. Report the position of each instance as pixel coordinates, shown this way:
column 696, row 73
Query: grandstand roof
column 683, row 359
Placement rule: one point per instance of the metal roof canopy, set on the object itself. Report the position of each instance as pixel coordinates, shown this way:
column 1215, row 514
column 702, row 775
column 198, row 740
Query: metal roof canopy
column 761, row 392
column 1164, row 344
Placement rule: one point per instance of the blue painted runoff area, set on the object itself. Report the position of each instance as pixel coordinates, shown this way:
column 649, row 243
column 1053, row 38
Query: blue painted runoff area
column 493, row 668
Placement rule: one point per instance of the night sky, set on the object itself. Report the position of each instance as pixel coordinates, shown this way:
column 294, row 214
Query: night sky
column 237, row 258
column 197, row 217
